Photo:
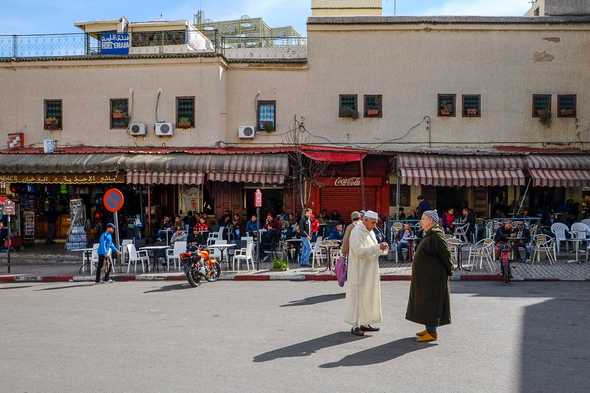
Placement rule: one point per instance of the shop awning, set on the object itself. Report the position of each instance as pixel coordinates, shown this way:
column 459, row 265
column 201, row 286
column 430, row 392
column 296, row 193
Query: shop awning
column 333, row 154
column 195, row 169
column 568, row 170
column 61, row 168
column 460, row 171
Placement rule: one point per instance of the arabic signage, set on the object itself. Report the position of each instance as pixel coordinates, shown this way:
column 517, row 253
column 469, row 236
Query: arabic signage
column 114, row 44
column 64, row 179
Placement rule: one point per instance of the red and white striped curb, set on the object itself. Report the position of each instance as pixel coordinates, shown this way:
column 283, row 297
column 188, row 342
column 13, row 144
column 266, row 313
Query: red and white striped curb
column 30, row 278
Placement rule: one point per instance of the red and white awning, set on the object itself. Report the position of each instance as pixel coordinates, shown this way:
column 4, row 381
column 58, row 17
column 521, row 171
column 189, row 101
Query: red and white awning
column 567, row 170
column 460, row 171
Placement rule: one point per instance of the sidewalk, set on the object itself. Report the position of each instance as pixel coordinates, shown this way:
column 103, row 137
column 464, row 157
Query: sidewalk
column 389, row 272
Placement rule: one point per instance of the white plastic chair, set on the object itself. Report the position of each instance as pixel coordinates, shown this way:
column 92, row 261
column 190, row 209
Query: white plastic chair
column 580, row 233
column 586, row 221
column 173, row 254
column 319, row 255
column 461, row 232
column 244, row 255
column 544, row 244
column 137, row 256
column 94, row 258
column 559, row 230
column 124, row 254
column 482, row 251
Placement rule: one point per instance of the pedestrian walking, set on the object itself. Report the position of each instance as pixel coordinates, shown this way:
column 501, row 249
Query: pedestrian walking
column 363, row 290
column 306, row 234
column 429, row 300
column 106, row 249
column 356, row 219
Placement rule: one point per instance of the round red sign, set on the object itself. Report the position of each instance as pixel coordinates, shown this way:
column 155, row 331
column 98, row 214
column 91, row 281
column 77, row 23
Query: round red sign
column 113, row 200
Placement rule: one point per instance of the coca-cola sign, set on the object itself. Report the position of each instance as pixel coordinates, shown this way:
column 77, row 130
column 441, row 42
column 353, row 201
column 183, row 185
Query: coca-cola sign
column 347, row 182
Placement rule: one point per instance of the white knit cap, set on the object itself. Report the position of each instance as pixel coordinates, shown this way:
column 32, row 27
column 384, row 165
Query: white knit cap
column 371, row 215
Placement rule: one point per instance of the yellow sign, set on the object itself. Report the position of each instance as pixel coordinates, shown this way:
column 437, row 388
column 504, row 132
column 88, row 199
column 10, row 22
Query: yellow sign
column 64, row 179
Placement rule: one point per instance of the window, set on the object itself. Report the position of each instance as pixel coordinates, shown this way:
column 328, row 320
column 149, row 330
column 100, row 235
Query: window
column 471, row 106
column 266, row 118
column 541, row 105
column 119, row 113
column 348, row 106
column 446, row 105
column 566, row 105
column 53, row 115
column 185, row 112
column 373, row 106
column 158, row 38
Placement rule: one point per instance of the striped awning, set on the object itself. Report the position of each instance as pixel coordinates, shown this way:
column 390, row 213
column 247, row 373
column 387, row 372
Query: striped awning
column 195, row 169
column 567, row 170
column 460, row 171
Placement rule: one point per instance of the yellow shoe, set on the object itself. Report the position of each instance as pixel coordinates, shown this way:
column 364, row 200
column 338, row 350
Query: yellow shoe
column 422, row 333
column 428, row 337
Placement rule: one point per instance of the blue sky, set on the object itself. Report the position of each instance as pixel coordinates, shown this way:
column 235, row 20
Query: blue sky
column 58, row 16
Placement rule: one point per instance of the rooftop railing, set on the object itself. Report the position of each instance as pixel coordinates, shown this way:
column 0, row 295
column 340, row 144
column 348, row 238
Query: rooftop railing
column 162, row 42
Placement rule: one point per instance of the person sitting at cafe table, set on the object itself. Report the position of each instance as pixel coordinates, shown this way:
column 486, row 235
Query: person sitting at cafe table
column 201, row 231
column 236, row 228
column 403, row 241
column 449, row 220
column 178, row 236
column 337, row 233
column 164, row 226
column 252, row 225
column 504, row 235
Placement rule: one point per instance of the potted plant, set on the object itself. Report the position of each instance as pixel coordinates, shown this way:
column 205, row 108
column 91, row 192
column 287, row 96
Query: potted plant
column 280, row 264
column 119, row 115
column 51, row 122
column 544, row 116
column 184, row 122
column 268, row 126
column 472, row 112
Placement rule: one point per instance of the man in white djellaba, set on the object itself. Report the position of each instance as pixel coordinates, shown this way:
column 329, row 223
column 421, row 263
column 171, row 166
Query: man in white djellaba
column 363, row 287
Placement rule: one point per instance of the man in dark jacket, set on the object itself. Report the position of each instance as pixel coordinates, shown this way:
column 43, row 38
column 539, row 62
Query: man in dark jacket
column 429, row 302
column 423, row 206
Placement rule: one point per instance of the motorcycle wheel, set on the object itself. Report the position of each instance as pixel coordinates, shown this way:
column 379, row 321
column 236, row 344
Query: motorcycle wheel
column 215, row 273
column 193, row 277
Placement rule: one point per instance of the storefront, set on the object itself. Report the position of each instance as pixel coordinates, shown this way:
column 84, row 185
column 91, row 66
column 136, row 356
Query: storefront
column 356, row 185
column 485, row 183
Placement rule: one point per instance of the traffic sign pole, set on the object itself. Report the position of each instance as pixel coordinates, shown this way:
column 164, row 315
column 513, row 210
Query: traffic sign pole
column 9, row 245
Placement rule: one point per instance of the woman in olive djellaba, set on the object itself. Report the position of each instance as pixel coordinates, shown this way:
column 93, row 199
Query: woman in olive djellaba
column 429, row 301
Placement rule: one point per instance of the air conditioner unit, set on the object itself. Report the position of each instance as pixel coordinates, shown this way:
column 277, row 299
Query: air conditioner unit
column 247, row 132
column 164, row 129
column 137, row 129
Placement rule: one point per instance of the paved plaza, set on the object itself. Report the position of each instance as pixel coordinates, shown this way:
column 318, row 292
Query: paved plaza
column 287, row 336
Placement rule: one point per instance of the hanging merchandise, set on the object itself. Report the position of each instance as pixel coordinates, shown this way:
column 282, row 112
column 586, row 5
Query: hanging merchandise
column 63, row 189
column 77, row 232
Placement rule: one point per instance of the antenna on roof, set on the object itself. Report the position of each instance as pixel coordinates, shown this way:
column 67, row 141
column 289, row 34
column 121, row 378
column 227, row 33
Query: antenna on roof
column 161, row 15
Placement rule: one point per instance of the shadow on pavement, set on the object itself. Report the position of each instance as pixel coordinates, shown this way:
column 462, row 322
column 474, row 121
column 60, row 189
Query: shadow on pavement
column 67, row 287
column 309, row 301
column 380, row 354
column 554, row 350
column 307, row 348
column 22, row 286
column 168, row 288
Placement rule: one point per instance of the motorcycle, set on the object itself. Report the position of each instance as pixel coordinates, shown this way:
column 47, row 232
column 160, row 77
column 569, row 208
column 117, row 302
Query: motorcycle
column 198, row 264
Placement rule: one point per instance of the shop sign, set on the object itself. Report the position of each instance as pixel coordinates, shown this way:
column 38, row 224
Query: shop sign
column 347, row 182
column 258, row 198
column 114, row 44
column 64, row 179
column 113, row 200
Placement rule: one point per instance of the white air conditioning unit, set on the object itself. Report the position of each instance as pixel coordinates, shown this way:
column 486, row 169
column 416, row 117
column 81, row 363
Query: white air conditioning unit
column 164, row 129
column 137, row 129
column 247, row 132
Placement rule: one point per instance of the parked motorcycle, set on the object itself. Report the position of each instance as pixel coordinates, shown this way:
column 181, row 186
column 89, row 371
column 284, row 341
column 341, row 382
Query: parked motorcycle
column 198, row 264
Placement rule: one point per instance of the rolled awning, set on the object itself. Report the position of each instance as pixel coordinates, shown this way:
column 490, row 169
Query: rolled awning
column 460, row 171
column 567, row 170
column 333, row 154
column 195, row 169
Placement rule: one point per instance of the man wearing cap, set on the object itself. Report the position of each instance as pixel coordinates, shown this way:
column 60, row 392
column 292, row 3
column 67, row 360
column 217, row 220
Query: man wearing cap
column 106, row 248
column 429, row 301
column 363, row 289
column 356, row 218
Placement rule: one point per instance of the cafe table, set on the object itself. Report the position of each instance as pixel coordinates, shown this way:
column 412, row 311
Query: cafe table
column 154, row 251
column 223, row 248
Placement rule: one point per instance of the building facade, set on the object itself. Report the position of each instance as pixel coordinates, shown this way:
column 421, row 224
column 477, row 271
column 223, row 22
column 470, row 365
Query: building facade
column 488, row 112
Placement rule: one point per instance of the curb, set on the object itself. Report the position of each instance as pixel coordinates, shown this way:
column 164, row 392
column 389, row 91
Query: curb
column 31, row 278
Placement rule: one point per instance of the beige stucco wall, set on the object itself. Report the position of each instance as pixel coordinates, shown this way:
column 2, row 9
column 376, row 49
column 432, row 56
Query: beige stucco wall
column 87, row 86
column 410, row 65
column 346, row 7
column 285, row 84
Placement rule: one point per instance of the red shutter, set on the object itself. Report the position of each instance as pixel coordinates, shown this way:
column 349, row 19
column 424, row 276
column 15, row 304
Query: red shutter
column 347, row 199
